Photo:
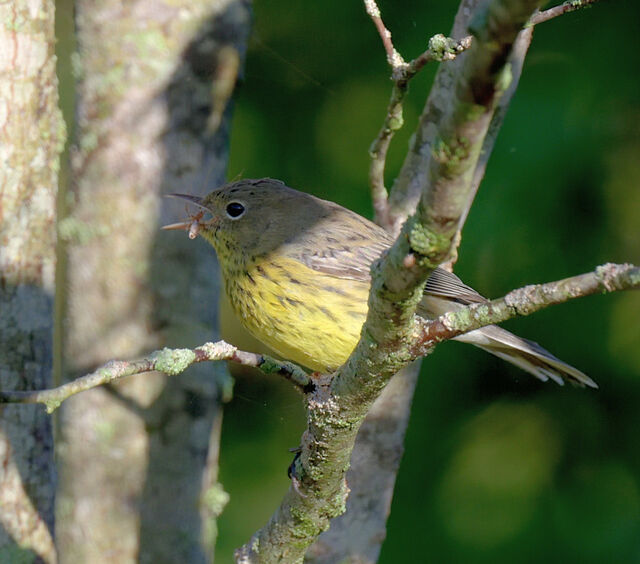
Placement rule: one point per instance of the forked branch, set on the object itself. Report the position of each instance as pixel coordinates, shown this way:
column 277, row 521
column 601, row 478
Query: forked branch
column 338, row 406
column 440, row 49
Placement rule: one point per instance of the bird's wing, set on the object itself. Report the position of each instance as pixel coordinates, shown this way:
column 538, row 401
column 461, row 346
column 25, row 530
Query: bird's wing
column 348, row 246
column 345, row 247
column 352, row 262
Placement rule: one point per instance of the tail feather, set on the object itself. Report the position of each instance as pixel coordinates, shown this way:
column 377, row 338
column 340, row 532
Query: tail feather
column 525, row 354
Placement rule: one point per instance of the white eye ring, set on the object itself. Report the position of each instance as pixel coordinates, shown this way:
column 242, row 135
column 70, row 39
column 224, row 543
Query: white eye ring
column 235, row 210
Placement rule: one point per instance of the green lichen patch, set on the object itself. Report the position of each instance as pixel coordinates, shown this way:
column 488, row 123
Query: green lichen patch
column 173, row 361
column 215, row 499
column 51, row 406
column 429, row 244
column 443, row 48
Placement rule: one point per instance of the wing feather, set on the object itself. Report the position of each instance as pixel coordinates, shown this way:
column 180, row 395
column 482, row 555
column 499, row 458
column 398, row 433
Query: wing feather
column 352, row 243
column 345, row 247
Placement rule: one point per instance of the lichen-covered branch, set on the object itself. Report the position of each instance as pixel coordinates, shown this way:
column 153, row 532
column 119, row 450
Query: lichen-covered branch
column 167, row 361
column 527, row 300
column 440, row 48
column 439, row 181
column 336, row 410
column 564, row 8
column 428, row 236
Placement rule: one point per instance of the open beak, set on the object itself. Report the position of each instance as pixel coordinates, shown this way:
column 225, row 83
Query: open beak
column 193, row 223
column 195, row 200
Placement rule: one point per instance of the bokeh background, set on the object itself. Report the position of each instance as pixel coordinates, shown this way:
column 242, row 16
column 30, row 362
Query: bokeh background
column 498, row 467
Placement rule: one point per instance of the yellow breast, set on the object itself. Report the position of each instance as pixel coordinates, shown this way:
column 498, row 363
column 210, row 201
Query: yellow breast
column 308, row 317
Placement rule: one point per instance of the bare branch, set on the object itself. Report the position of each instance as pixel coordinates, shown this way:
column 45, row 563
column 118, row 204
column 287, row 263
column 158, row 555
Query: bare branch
column 564, row 8
column 168, row 361
column 527, row 300
column 441, row 48
column 394, row 58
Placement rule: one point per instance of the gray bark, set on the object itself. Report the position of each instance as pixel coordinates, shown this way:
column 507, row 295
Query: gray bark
column 31, row 138
column 357, row 535
column 138, row 473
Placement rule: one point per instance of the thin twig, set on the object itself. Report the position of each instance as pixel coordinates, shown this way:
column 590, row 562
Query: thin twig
column 168, row 361
column 394, row 58
column 564, row 8
column 525, row 301
column 440, row 48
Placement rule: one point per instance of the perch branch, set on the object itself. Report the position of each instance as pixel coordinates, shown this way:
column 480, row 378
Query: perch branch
column 168, row 361
column 337, row 408
column 443, row 185
column 336, row 412
column 525, row 301
column 564, row 8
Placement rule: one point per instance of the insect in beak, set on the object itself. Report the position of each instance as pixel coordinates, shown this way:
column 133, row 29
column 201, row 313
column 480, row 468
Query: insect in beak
column 192, row 226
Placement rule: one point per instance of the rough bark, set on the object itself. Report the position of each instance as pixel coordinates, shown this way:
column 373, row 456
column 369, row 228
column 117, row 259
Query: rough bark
column 357, row 535
column 31, row 138
column 138, row 474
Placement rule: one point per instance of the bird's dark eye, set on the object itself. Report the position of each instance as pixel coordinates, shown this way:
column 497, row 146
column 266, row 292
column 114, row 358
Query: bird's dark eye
column 235, row 210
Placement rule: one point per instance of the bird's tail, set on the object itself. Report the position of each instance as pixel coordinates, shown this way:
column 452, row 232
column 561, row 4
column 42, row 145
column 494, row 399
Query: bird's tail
column 525, row 354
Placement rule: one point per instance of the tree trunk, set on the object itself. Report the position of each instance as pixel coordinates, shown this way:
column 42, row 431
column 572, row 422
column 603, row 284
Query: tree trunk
column 138, row 473
column 31, row 138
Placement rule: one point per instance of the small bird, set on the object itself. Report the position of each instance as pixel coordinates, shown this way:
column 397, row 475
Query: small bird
column 296, row 271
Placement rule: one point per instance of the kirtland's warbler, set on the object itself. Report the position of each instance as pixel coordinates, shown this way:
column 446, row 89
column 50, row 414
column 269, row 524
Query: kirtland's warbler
column 296, row 271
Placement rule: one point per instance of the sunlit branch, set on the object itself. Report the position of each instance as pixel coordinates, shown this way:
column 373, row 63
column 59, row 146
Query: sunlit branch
column 440, row 48
column 525, row 301
column 564, row 8
column 168, row 361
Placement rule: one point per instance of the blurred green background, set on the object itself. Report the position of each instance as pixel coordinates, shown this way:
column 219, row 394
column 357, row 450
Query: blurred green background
column 498, row 467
